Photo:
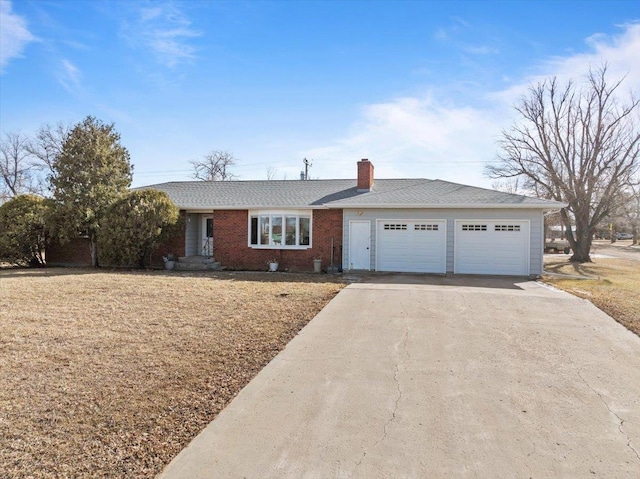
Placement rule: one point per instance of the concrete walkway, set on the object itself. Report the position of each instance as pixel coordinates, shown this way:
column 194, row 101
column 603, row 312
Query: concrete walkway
column 428, row 377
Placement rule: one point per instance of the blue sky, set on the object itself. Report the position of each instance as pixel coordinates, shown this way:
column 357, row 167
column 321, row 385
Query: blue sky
column 421, row 88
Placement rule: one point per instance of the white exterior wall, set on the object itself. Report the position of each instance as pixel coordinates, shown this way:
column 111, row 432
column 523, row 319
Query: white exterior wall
column 534, row 216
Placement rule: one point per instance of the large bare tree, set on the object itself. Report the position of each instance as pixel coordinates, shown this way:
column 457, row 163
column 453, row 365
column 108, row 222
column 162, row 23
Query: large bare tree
column 26, row 162
column 578, row 144
column 17, row 175
column 214, row 166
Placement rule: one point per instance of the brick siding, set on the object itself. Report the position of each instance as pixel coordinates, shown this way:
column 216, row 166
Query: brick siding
column 230, row 243
column 76, row 252
column 175, row 245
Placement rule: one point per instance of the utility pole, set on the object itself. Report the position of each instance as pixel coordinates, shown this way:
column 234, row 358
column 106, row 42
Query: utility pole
column 307, row 165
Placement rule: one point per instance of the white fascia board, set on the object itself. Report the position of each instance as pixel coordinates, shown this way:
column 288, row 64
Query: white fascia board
column 453, row 206
column 251, row 207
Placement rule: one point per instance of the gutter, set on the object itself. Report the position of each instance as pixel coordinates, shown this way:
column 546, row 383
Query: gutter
column 204, row 209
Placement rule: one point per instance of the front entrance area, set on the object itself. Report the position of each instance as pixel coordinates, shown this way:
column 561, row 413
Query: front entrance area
column 360, row 245
column 207, row 236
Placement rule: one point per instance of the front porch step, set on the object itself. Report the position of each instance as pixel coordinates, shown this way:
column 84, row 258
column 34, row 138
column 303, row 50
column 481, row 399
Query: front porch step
column 196, row 259
column 197, row 263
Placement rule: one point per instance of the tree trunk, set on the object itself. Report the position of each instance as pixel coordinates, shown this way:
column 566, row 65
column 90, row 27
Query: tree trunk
column 93, row 241
column 581, row 242
column 581, row 252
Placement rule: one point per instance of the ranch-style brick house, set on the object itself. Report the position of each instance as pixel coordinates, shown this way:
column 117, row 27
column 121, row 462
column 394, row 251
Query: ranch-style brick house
column 366, row 224
column 404, row 225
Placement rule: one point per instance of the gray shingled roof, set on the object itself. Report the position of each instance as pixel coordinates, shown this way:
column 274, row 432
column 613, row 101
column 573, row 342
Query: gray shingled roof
column 394, row 193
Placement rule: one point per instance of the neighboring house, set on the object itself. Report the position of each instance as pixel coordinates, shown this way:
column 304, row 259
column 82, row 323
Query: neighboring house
column 403, row 225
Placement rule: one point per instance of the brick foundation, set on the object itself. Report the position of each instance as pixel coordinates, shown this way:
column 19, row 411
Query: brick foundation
column 230, row 243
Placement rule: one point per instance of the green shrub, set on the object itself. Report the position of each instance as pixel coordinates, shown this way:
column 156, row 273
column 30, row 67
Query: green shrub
column 22, row 230
column 134, row 226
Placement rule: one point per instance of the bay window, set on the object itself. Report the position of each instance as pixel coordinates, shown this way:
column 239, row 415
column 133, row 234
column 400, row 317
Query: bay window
column 285, row 230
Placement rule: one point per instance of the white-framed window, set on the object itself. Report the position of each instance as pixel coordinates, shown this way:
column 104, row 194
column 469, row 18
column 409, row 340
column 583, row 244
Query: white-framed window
column 475, row 227
column 280, row 230
column 507, row 228
column 395, row 226
column 423, row 227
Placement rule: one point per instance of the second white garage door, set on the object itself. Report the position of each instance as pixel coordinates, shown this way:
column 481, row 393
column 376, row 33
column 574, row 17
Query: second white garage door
column 415, row 246
column 492, row 247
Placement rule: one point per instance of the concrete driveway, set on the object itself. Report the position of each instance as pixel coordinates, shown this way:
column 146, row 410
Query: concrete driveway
column 427, row 377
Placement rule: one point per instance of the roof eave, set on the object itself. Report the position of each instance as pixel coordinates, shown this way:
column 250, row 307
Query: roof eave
column 202, row 209
column 452, row 206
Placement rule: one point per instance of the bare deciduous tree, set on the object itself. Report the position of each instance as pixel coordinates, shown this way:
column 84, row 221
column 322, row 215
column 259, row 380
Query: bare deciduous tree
column 16, row 168
column 25, row 163
column 271, row 173
column 628, row 213
column 47, row 145
column 578, row 144
column 509, row 185
column 634, row 216
column 214, row 166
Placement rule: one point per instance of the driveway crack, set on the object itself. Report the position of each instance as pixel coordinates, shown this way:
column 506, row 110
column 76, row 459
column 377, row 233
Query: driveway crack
column 405, row 353
column 620, row 420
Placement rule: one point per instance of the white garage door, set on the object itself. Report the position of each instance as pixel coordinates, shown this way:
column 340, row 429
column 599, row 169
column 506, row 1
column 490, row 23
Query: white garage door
column 492, row 247
column 416, row 246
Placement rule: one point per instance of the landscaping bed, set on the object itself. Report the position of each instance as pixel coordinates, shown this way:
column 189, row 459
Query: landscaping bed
column 111, row 374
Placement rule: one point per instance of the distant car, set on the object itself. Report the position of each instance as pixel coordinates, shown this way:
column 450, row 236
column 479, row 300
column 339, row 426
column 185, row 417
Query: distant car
column 624, row 236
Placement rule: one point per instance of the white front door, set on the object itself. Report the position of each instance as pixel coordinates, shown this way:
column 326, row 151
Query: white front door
column 207, row 236
column 360, row 245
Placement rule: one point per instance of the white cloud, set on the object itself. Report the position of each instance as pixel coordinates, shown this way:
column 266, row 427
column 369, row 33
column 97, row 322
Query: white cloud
column 165, row 30
column 619, row 52
column 69, row 76
column 14, row 35
column 424, row 137
column 414, row 137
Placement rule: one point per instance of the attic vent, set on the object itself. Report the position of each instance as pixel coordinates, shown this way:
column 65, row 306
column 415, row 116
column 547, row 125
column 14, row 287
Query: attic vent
column 395, row 226
column 474, row 227
column 426, row 227
column 507, row 228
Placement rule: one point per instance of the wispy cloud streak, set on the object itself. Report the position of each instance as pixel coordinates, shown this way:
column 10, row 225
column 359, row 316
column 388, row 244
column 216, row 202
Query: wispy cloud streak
column 165, row 30
column 14, row 34
column 69, row 76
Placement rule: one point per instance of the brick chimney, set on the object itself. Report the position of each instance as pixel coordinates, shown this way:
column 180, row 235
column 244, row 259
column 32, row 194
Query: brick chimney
column 365, row 175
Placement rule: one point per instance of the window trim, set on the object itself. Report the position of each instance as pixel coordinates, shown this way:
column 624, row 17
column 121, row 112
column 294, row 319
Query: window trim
column 284, row 214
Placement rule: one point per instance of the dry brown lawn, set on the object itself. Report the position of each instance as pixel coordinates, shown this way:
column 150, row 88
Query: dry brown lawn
column 110, row 374
column 613, row 285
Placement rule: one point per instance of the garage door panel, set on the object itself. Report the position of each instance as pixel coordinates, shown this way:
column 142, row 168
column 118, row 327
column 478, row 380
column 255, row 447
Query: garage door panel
column 492, row 247
column 412, row 246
